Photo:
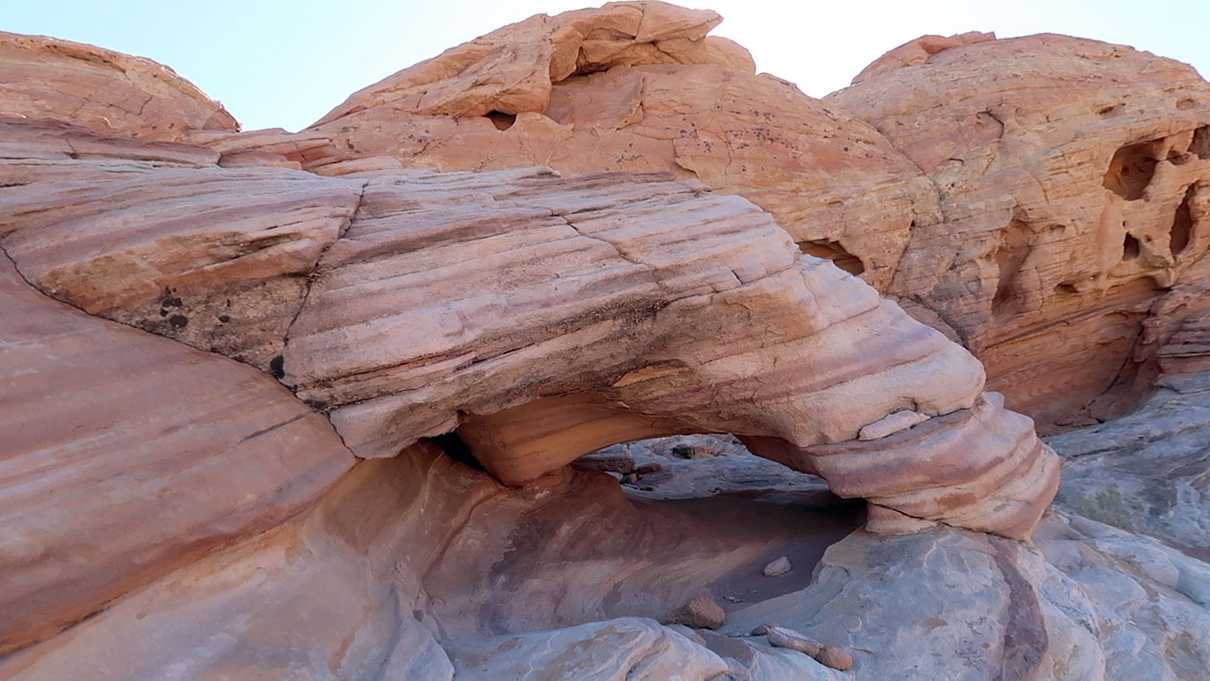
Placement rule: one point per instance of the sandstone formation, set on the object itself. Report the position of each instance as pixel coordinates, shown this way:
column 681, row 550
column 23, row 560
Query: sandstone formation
column 302, row 405
column 111, row 93
column 1071, row 177
column 383, row 299
column 1147, row 472
column 1088, row 602
column 959, row 174
column 149, row 456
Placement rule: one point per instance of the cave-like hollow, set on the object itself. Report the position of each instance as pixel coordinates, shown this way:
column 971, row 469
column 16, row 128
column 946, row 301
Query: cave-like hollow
column 676, row 501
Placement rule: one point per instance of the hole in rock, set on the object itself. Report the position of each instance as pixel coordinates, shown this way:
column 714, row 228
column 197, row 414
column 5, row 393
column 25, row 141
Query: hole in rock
column 1182, row 224
column 713, row 488
column 1178, row 158
column 832, row 250
column 632, row 529
column 1130, row 248
column 1131, row 170
column 1010, row 257
column 1201, row 142
column 451, row 445
column 502, row 121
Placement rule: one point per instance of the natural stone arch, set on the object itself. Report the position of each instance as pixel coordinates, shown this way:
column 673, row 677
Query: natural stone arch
column 432, row 300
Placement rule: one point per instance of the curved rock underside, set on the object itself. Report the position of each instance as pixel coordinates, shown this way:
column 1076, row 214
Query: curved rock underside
column 275, row 354
column 1033, row 198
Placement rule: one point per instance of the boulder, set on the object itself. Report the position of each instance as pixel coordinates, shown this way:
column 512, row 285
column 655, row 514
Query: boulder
column 114, row 94
column 778, row 567
column 1073, row 187
column 701, row 612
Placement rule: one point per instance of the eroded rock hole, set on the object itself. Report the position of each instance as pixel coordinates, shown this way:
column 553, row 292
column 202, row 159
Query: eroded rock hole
column 702, row 487
column 454, row 447
column 1130, row 248
column 832, row 250
column 1131, row 170
column 1182, row 224
column 502, row 121
column 1010, row 258
column 1201, row 142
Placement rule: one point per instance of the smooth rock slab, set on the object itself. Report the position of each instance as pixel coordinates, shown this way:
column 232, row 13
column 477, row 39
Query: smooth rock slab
column 625, row 649
column 1088, row 602
column 126, row 455
column 1147, row 472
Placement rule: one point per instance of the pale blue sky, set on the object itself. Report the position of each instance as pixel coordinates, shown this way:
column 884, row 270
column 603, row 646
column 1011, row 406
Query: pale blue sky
column 282, row 63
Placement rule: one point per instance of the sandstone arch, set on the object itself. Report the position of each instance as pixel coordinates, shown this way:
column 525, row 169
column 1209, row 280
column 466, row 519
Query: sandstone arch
column 414, row 303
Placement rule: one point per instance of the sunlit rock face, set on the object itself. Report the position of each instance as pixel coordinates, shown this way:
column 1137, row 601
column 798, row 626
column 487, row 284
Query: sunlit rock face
column 302, row 405
column 1072, row 178
column 995, row 187
column 111, row 93
column 540, row 317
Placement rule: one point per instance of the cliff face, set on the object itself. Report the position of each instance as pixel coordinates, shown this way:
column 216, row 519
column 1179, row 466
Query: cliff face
column 302, row 405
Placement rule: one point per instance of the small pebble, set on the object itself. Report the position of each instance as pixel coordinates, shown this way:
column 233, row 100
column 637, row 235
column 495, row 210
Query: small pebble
column 702, row 612
column 836, row 658
column 778, row 567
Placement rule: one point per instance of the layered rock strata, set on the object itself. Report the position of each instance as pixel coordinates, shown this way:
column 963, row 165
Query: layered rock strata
column 540, row 317
column 958, row 174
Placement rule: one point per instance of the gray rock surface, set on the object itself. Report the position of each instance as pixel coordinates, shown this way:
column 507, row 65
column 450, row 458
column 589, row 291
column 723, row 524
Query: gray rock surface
column 698, row 466
column 1149, row 471
column 1087, row 603
column 624, row 649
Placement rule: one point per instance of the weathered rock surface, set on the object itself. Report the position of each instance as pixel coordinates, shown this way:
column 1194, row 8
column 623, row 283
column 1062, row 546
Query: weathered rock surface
column 538, row 316
column 126, row 455
column 1072, row 188
column 1147, row 472
column 634, row 87
column 400, row 570
column 113, row 94
column 996, row 187
column 699, row 466
column 160, row 505
column 216, row 258
column 409, row 556
column 1088, row 602
column 615, row 650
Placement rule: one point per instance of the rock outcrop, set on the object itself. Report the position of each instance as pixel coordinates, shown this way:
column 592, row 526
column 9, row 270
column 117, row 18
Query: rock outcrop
column 302, row 405
column 1073, row 190
column 1033, row 198
column 111, row 93
column 126, row 455
column 1088, row 602
column 1147, row 472
column 541, row 318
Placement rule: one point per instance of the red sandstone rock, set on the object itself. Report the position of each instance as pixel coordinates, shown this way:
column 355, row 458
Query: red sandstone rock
column 1072, row 190
column 1012, row 227
column 539, row 317
column 109, row 92
column 126, row 456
